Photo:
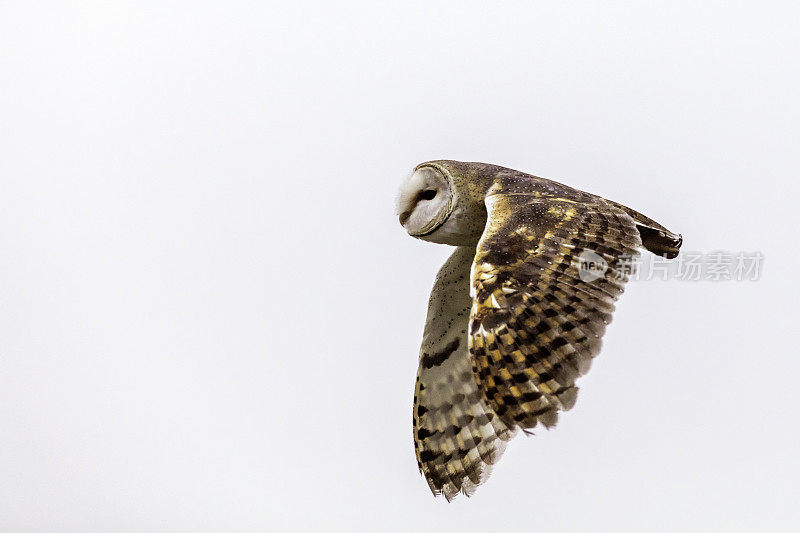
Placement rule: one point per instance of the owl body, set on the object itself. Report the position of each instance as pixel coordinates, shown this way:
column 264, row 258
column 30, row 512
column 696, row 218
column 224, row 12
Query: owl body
column 512, row 320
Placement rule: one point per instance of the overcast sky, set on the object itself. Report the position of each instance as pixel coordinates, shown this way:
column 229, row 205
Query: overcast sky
column 210, row 316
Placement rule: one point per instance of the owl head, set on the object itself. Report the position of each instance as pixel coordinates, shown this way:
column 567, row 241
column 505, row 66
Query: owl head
column 442, row 202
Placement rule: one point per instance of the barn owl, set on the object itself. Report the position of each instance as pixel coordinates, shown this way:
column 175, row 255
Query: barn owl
column 513, row 319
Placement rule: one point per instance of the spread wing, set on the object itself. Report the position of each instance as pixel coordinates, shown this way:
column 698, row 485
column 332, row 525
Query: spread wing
column 537, row 317
column 456, row 435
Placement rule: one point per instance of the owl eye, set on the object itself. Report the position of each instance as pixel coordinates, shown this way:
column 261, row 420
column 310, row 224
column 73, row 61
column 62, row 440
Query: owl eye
column 429, row 194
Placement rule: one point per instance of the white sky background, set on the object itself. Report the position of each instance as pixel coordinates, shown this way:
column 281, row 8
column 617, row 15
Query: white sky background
column 210, row 316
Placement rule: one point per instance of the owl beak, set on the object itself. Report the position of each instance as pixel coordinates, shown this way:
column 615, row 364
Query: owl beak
column 404, row 217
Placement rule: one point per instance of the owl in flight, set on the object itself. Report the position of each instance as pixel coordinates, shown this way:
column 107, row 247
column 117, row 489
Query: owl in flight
column 513, row 318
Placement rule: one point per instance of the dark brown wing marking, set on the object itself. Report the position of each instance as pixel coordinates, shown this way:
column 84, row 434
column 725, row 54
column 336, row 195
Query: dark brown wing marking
column 457, row 436
column 536, row 321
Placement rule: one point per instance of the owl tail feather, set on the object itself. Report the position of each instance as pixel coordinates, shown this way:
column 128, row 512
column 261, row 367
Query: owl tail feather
column 655, row 237
column 660, row 242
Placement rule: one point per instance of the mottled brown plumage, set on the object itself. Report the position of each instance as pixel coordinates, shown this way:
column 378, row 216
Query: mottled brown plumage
column 513, row 319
